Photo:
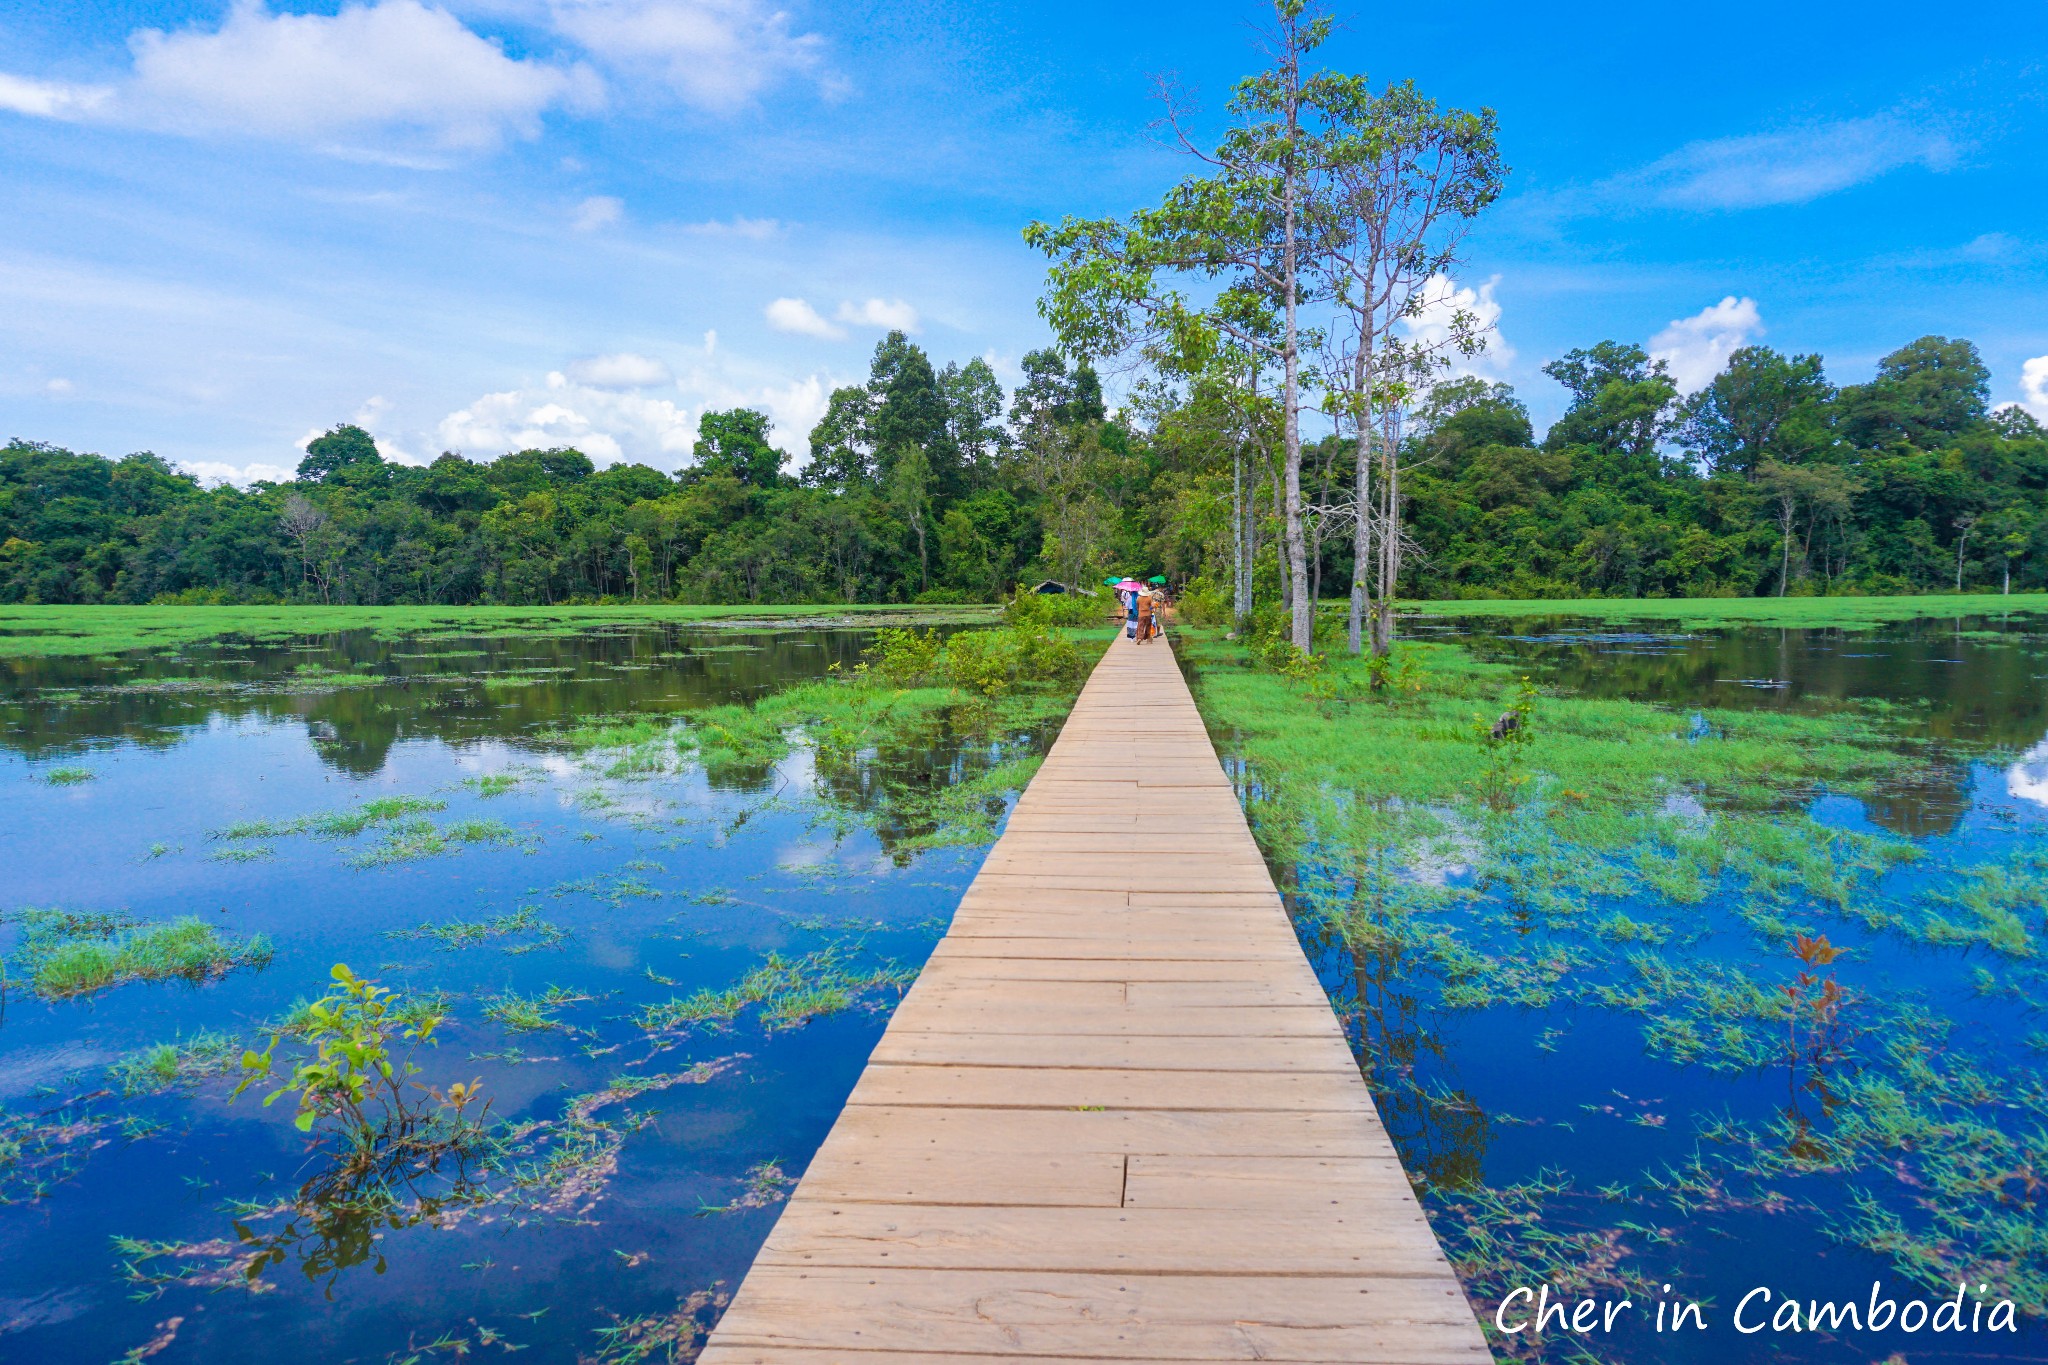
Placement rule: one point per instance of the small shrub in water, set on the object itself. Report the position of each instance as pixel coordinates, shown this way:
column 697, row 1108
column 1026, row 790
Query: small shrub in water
column 905, row 657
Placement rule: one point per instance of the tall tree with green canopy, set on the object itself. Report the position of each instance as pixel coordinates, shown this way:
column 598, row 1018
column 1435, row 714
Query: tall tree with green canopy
column 1927, row 389
column 1407, row 179
column 842, row 443
column 345, row 447
column 974, row 417
column 735, row 443
column 909, row 413
column 1621, row 399
column 1247, row 227
column 1745, row 413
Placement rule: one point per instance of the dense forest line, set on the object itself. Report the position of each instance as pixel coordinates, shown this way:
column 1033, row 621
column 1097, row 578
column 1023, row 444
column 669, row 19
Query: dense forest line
column 931, row 484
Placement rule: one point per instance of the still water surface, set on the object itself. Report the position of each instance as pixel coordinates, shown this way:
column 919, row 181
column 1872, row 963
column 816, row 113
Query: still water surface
column 131, row 1218
column 1606, row 1164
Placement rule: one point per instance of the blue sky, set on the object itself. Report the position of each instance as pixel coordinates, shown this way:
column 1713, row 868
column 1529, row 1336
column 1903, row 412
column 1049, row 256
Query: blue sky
column 481, row 224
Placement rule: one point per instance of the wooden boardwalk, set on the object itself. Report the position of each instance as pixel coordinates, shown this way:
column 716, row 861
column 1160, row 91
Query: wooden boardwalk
column 1115, row 1118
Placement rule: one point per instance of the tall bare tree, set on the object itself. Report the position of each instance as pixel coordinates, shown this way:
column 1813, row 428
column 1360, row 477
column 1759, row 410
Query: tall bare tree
column 1406, row 180
column 1245, row 230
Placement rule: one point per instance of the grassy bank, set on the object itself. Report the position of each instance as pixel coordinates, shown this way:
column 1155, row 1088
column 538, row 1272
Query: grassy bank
column 1813, row 1019
column 82, row 631
column 1837, row 612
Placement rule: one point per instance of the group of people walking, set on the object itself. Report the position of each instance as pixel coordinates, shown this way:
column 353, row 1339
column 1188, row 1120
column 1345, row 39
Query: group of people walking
column 1144, row 611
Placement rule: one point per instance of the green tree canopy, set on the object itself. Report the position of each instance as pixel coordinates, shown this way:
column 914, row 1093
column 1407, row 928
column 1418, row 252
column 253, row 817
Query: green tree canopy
column 735, row 443
column 343, row 448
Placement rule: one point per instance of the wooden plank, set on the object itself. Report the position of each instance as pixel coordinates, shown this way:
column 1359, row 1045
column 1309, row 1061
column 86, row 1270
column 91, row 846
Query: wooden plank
column 965, row 1014
column 853, row 1172
column 1115, row 1118
column 996, row 1087
column 1101, row 1240
column 1059, row 1051
column 1357, row 1320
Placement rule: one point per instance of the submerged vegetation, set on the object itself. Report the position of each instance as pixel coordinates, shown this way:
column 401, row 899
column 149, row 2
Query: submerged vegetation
column 741, row 838
column 1827, row 1010
column 64, row 954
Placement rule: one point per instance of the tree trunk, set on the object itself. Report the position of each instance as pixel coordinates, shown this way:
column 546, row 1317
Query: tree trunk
column 1237, row 607
column 1390, row 538
column 1361, row 505
column 1281, row 546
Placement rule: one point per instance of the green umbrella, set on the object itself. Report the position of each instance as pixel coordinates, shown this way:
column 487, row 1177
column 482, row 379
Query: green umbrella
column 1111, row 581
column 1157, row 578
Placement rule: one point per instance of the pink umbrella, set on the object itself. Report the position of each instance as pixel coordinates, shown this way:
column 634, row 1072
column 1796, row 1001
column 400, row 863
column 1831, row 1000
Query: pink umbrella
column 1130, row 585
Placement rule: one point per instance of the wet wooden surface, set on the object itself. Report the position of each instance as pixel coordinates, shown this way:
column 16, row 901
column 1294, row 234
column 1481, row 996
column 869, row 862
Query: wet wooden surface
column 1115, row 1119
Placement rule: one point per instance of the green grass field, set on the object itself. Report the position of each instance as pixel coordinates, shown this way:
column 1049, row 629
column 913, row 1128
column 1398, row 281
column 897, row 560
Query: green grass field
column 1845, row 612
column 54, row 631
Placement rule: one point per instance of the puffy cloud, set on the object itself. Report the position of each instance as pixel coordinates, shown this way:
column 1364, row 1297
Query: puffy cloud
column 795, row 315
column 364, row 74
column 795, row 408
column 2034, row 385
column 1789, row 167
column 59, row 387
column 598, row 212
column 603, row 407
column 1443, row 299
column 1697, row 348
column 219, row 471
column 889, row 314
column 713, row 54
column 623, row 370
column 606, row 424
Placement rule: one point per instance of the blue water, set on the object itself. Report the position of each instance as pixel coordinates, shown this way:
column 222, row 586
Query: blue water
column 658, row 885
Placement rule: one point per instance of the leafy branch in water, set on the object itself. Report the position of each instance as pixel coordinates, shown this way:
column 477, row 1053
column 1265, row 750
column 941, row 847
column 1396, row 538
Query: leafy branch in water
column 352, row 1077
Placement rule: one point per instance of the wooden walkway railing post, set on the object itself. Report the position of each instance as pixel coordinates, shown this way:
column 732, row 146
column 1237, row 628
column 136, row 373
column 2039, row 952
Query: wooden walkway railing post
column 1115, row 1119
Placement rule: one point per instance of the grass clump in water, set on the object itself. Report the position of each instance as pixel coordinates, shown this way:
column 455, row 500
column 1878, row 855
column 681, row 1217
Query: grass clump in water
column 788, row 993
column 520, row 923
column 67, row 777
column 518, row 1013
column 65, row 955
column 166, row 1065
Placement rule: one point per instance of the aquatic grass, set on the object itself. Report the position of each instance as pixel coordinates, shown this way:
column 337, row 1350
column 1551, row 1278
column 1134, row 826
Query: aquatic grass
column 66, row 955
column 67, row 777
column 98, row 630
column 252, row 853
column 166, row 1065
column 409, row 840
column 789, row 991
column 518, row 1013
column 524, row 922
column 373, row 814
column 493, row 784
column 1660, row 866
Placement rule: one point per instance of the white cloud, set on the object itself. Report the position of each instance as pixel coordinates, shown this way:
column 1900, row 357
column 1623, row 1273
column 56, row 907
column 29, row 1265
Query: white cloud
column 394, row 67
column 605, row 424
column 51, row 99
column 59, row 387
column 714, row 54
column 890, row 314
column 1697, row 348
column 795, row 315
column 217, row 471
column 2034, row 387
column 795, row 408
column 1787, row 168
column 623, row 370
column 1442, row 300
column 598, row 211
